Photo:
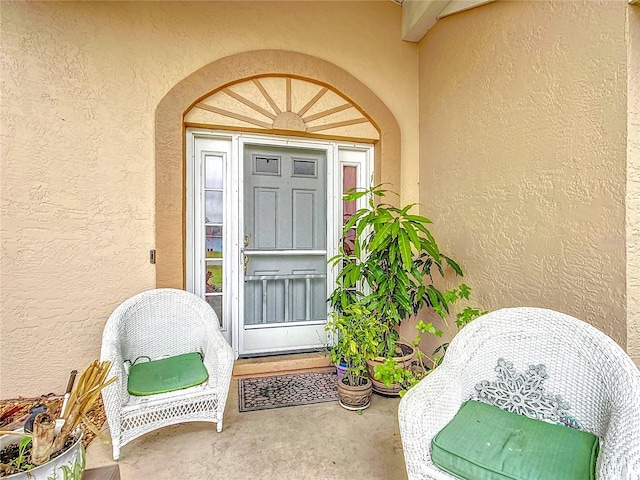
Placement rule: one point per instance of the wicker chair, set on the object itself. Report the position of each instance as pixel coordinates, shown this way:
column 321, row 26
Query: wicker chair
column 584, row 366
column 158, row 323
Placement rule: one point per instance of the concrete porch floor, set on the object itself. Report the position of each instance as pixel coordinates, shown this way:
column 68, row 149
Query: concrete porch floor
column 316, row 442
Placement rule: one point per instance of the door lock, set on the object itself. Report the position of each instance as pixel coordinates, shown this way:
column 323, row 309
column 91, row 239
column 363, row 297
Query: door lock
column 246, row 264
column 247, row 240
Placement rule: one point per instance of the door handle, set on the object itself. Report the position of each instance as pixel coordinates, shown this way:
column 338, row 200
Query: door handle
column 247, row 240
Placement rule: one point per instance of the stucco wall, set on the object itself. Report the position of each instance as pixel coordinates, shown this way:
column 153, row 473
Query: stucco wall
column 523, row 153
column 633, row 184
column 80, row 85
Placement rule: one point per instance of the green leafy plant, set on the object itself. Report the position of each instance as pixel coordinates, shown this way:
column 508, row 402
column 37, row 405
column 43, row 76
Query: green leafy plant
column 356, row 334
column 390, row 372
column 20, row 462
column 390, row 267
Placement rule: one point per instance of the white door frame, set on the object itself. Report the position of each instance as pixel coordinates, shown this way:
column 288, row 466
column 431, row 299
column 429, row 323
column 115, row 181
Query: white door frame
column 231, row 146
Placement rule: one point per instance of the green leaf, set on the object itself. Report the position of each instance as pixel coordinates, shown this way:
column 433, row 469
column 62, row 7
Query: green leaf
column 453, row 265
column 413, row 236
column 384, row 216
column 403, row 301
column 406, row 208
column 418, row 218
column 393, row 251
column 395, row 229
column 354, row 219
column 464, row 291
column 357, row 250
column 362, row 224
column 351, row 195
column 405, row 249
column 354, row 276
column 431, row 247
column 450, row 296
column 380, row 237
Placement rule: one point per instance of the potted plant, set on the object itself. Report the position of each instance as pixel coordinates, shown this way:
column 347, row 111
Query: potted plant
column 53, row 448
column 406, row 376
column 389, row 270
column 356, row 334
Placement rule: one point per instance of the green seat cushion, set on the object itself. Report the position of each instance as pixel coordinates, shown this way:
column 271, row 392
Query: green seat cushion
column 483, row 442
column 167, row 374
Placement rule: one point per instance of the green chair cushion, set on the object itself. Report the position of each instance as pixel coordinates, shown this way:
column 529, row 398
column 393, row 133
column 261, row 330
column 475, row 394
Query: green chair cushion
column 166, row 374
column 483, row 442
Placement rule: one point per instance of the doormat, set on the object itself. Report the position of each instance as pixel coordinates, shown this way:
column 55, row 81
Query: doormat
column 287, row 390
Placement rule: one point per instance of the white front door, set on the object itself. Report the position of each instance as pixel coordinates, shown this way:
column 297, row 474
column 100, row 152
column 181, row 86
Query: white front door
column 263, row 216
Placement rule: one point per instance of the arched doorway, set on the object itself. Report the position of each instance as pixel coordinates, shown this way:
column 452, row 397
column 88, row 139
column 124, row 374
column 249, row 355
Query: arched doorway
column 281, row 94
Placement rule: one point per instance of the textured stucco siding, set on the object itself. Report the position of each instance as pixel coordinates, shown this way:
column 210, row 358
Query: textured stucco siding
column 523, row 154
column 80, row 84
column 633, row 185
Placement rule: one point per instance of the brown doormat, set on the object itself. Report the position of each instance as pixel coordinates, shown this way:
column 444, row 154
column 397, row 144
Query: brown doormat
column 287, row 390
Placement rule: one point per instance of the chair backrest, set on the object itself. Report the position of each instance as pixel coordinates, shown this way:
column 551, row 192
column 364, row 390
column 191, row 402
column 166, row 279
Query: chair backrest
column 584, row 366
column 160, row 322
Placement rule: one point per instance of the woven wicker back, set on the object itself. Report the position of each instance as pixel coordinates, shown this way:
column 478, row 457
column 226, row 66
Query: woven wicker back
column 584, row 366
column 161, row 322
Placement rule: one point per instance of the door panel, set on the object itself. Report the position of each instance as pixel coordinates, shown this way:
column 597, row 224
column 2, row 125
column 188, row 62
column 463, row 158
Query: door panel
column 266, row 213
column 285, row 231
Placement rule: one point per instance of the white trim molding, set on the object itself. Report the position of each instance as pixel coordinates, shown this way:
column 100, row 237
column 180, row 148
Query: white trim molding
column 418, row 16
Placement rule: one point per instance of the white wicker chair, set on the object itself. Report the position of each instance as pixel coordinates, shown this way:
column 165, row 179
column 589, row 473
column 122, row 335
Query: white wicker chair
column 584, row 366
column 158, row 323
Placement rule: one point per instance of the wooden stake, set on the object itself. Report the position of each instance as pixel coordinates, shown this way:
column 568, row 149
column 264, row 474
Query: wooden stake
column 43, row 431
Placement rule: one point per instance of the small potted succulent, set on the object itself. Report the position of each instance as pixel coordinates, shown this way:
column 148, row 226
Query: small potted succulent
column 356, row 334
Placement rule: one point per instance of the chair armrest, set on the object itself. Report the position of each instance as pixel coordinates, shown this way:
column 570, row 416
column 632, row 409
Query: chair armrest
column 115, row 395
column 218, row 359
column 620, row 446
column 423, row 412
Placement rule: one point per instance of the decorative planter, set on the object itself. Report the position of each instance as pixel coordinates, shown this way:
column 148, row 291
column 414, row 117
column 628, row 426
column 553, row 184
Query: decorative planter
column 393, row 390
column 68, row 466
column 354, row 398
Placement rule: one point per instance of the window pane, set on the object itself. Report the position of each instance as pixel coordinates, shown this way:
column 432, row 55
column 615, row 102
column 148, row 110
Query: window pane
column 213, row 207
column 216, row 303
column 349, row 181
column 213, row 171
column 304, row 168
column 214, row 278
column 213, row 241
column 267, row 165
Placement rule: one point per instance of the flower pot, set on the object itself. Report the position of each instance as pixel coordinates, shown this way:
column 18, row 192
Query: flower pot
column 68, row 465
column 404, row 360
column 354, row 398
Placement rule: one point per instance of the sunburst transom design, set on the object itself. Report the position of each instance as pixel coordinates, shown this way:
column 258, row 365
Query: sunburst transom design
column 283, row 103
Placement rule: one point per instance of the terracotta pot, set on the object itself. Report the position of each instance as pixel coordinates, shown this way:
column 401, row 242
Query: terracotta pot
column 405, row 360
column 354, row 398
